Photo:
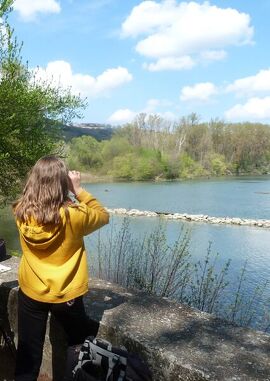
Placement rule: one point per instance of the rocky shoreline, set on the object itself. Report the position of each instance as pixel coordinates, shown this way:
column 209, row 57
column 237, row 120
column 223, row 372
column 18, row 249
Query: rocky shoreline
column 192, row 217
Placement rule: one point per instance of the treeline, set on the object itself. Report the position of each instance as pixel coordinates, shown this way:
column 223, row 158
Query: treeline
column 152, row 147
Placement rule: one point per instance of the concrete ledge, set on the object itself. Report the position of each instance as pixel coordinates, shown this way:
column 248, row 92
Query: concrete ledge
column 178, row 342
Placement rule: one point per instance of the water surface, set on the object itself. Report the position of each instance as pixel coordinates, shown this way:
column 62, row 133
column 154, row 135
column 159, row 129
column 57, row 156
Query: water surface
column 247, row 197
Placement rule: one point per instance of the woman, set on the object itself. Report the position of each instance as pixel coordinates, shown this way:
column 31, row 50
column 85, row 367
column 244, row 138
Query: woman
column 53, row 272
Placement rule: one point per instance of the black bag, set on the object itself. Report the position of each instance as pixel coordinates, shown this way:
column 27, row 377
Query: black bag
column 98, row 360
column 3, row 253
column 6, row 339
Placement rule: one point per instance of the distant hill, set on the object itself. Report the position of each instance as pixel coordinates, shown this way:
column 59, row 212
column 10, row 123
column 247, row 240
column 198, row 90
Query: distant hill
column 97, row 131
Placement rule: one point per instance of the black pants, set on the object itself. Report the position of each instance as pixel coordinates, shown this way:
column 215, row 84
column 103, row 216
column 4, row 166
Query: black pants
column 32, row 321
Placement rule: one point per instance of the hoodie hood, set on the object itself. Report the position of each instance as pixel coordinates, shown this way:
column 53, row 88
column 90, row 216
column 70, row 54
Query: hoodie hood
column 40, row 236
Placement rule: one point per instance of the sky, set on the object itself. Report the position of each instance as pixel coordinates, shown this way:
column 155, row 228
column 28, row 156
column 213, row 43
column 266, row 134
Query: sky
column 165, row 57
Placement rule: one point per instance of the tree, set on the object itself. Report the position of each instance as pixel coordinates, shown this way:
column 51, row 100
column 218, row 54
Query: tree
column 122, row 167
column 31, row 112
column 217, row 164
column 198, row 142
column 116, row 146
column 84, row 153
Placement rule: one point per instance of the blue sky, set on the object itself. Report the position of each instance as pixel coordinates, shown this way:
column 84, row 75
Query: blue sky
column 168, row 57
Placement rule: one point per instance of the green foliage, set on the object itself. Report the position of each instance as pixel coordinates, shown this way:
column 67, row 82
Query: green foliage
column 140, row 165
column 170, row 166
column 15, row 253
column 189, row 168
column 147, row 165
column 122, row 166
column 116, row 146
column 208, row 285
column 84, row 154
column 115, row 157
column 31, row 113
column 153, row 149
column 217, row 164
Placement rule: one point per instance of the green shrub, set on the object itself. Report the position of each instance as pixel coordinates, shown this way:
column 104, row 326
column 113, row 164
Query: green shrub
column 217, row 163
column 122, row 167
column 189, row 168
column 84, row 154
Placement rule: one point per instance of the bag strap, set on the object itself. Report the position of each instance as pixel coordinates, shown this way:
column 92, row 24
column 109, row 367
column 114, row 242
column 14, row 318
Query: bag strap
column 113, row 361
column 102, row 341
column 8, row 340
column 92, row 352
column 85, row 355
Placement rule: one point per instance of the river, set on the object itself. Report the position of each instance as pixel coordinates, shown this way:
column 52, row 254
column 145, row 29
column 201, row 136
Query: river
column 247, row 197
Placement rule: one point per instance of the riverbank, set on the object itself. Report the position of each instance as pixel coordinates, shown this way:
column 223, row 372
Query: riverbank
column 92, row 178
column 96, row 178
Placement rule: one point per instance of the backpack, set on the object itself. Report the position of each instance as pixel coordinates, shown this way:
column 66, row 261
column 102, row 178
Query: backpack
column 98, row 360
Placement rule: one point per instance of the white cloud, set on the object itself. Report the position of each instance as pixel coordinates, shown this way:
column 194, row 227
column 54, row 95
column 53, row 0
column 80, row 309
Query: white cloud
column 122, row 116
column 199, row 92
column 255, row 109
column 152, row 107
column 147, row 16
column 168, row 115
column 172, row 30
column 60, row 73
column 28, row 9
column 153, row 104
column 171, row 63
column 213, row 55
column 259, row 83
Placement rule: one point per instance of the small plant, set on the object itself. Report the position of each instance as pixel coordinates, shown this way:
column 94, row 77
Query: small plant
column 15, row 253
column 244, row 308
column 265, row 321
column 207, row 284
column 152, row 265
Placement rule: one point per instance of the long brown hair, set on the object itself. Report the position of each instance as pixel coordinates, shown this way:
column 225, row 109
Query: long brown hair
column 45, row 192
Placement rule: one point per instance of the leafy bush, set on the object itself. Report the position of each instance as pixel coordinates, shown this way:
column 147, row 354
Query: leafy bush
column 84, row 154
column 189, row 168
column 217, row 164
column 117, row 146
column 122, row 167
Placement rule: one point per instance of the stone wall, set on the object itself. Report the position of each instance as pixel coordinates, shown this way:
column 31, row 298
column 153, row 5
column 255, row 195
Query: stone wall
column 201, row 218
column 178, row 342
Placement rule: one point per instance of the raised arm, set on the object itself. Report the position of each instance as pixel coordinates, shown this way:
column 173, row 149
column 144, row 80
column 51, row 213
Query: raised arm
column 92, row 214
column 95, row 215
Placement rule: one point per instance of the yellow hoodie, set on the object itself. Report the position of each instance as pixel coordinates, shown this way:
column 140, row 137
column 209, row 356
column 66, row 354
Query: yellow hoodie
column 53, row 267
